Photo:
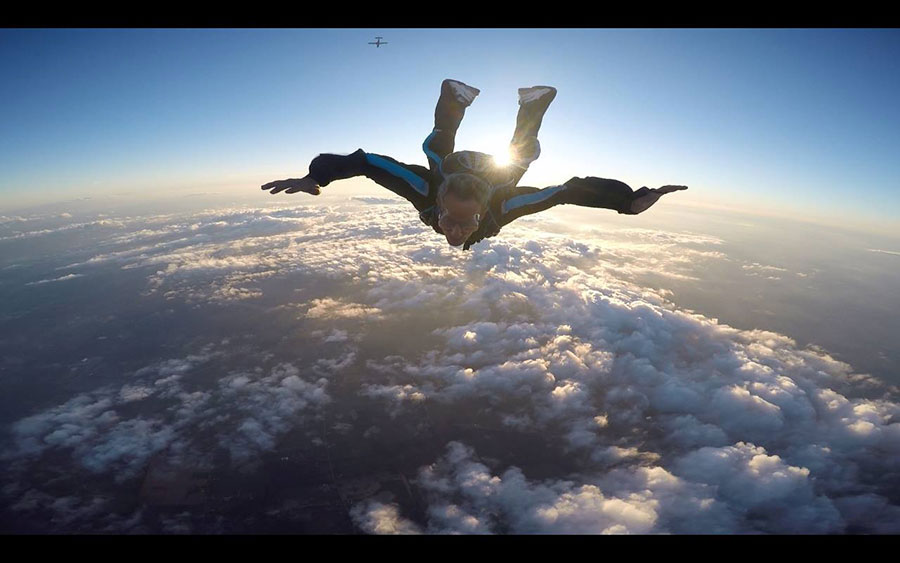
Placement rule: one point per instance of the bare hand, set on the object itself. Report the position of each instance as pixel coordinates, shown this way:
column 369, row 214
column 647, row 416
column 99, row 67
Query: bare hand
column 293, row 185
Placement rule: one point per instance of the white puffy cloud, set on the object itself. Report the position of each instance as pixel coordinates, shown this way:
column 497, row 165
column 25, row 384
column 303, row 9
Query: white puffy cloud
column 71, row 512
column 328, row 308
column 265, row 406
column 884, row 251
column 395, row 395
column 588, row 345
column 751, row 482
column 375, row 200
column 99, row 439
column 736, row 489
column 662, row 420
column 85, row 226
column 509, row 502
column 247, row 411
column 378, row 518
column 59, row 279
column 761, row 270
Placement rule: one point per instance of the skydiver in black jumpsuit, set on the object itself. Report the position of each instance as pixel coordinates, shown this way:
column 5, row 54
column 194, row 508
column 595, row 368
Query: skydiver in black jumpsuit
column 507, row 201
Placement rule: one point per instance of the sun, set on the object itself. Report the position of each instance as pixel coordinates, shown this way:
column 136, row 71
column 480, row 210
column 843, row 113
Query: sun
column 502, row 157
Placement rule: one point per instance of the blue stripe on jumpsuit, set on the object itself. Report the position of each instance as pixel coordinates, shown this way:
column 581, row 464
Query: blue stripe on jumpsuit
column 530, row 199
column 430, row 153
column 411, row 178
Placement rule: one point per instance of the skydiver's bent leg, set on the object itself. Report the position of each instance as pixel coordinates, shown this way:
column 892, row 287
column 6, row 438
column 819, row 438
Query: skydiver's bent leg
column 407, row 180
column 533, row 103
column 448, row 114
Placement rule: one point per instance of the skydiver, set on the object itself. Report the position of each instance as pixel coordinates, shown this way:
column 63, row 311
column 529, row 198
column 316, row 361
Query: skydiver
column 466, row 196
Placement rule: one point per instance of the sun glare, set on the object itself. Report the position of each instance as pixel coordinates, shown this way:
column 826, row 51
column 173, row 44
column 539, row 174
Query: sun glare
column 502, row 157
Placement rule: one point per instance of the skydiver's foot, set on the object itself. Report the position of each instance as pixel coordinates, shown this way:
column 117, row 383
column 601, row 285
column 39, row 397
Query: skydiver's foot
column 645, row 197
column 461, row 92
column 533, row 102
column 539, row 96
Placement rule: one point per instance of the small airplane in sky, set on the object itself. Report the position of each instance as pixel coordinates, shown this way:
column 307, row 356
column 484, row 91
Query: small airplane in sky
column 378, row 42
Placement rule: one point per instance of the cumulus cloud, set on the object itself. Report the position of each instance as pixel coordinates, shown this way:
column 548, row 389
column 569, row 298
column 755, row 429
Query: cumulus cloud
column 761, row 270
column 328, row 308
column 99, row 224
column 59, row 279
column 596, row 358
column 375, row 200
column 90, row 428
column 378, row 518
column 467, row 497
column 393, row 394
column 733, row 489
column 248, row 411
column 264, row 407
column 12, row 219
column 891, row 252
column 653, row 419
column 750, row 481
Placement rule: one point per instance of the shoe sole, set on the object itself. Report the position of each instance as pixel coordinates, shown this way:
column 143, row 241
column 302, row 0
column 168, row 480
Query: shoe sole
column 528, row 95
column 463, row 92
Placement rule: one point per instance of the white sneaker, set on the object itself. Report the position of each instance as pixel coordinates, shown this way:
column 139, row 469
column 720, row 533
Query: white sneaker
column 464, row 93
column 528, row 95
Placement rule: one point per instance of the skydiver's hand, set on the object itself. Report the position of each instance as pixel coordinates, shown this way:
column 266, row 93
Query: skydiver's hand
column 293, row 185
column 645, row 197
column 669, row 189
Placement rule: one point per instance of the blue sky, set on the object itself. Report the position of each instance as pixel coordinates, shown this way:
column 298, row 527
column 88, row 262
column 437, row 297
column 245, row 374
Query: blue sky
column 777, row 120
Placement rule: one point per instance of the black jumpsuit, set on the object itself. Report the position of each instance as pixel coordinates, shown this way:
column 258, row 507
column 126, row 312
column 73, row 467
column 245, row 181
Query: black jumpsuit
column 419, row 185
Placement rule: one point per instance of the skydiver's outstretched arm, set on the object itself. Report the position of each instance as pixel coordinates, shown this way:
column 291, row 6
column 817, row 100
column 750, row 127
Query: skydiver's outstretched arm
column 407, row 180
column 455, row 97
column 587, row 192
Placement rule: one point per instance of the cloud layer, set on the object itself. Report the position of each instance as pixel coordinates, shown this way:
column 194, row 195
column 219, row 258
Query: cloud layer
column 652, row 419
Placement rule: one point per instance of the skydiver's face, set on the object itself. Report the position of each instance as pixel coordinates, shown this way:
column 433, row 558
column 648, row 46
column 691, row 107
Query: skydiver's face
column 458, row 218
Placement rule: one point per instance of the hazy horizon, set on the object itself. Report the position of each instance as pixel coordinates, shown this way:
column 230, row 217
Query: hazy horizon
column 798, row 121
column 765, row 238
